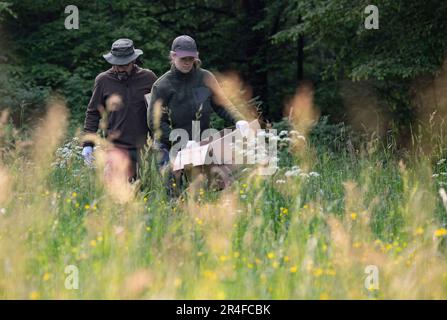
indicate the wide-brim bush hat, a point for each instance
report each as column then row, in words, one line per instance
column 122, row 52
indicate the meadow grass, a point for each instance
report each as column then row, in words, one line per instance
column 307, row 232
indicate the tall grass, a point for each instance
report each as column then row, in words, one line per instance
column 307, row 232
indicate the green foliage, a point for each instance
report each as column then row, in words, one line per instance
column 258, row 39
column 24, row 99
column 405, row 45
column 6, row 10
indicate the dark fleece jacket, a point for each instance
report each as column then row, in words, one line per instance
column 177, row 99
column 127, row 120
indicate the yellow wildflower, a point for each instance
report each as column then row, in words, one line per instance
column 441, row 232
column 220, row 295
column 210, row 275
column 419, row 231
column 353, row 216
column 293, row 269
column 177, row 282
column 330, row 272
column 34, row 295
column 324, row 296
column 317, row 272
column 356, row 244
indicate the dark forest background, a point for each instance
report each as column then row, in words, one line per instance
column 273, row 45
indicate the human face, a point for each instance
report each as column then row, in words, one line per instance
column 124, row 68
column 184, row 64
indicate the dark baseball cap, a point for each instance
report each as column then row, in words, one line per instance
column 185, row 46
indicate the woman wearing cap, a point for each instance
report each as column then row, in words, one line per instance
column 186, row 93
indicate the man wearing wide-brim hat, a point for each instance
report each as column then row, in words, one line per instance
column 119, row 93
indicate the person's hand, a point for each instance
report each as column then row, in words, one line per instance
column 243, row 126
column 87, row 153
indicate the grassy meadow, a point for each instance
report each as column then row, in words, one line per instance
column 307, row 232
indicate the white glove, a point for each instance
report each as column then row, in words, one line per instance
column 244, row 127
column 87, row 153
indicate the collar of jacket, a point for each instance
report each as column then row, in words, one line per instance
column 181, row 75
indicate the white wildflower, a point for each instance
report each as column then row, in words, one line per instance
column 443, row 195
column 291, row 173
